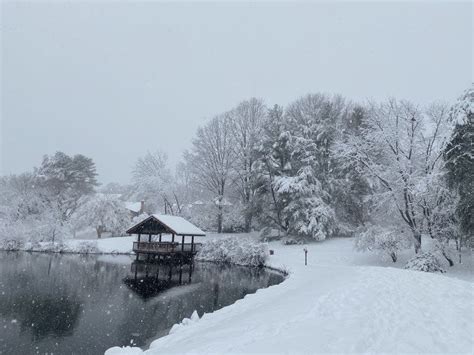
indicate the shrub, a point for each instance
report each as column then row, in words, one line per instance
column 234, row 250
column 387, row 241
column 426, row 262
column 293, row 240
column 11, row 244
column 59, row 247
column 87, row 248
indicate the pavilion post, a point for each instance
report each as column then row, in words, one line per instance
column 172, row 238
column 149, row 238
column 192, row 244
column 182, row 243
column 160, row 238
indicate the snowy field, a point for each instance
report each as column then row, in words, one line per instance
column 342, row 301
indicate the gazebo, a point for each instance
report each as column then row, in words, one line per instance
column 157, row 225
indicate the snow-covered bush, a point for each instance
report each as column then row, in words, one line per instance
column 386, row 241
column 233, row 219
column 87, row 248
column 424, row 262
column 290, row 240
column 11, row 244
column 234, row 250
column 56, row 248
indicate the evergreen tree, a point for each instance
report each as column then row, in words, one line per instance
column 459, row 156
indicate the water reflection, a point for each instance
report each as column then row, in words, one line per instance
column 149, row 280
column 86, row 304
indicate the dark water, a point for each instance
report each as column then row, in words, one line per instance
column 73, row 304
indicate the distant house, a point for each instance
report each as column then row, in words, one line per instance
column 135, row 208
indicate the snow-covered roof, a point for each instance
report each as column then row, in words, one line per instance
column 161, row 223
column 178, row 224
column 133, row 206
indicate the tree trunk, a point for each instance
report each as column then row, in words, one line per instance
column 219, row 220
column 99, row 232
column 393, row 255
column 450, row 261
column 248, row 222
column 417, row 236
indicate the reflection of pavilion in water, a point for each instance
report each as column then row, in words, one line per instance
column 150, row 279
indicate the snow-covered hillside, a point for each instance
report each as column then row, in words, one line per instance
column 338, row 303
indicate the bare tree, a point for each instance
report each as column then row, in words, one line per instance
column 152, row 179
column 247, row 129
column 210, row 160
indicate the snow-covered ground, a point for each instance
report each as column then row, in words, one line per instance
column 342, row 302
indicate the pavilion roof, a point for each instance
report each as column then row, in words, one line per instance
column 161, row 223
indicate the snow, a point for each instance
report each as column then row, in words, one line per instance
column 119, row 245
column 179, row 225
column 133, row 206
column 339, row 303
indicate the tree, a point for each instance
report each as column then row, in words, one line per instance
column 273, row 160
column 64, row 180
column 247, row 126
column 306, row 183
column 459, row 156
column 390, row 150
column 211, row 159
column 25, row 214
column 307, row 213
column 152, row 181
column 106, row 213
column 351, row 188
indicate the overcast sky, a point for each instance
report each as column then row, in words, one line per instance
column 113, row 80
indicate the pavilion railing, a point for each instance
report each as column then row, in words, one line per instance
column 165, row 247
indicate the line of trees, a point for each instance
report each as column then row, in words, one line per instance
column 39, row 205
column 322, row 166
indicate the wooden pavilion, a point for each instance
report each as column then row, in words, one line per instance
column 151, row 231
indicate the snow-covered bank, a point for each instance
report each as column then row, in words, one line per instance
column 121, row 245
column 338, row 303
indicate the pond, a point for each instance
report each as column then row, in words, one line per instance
column 64, row 304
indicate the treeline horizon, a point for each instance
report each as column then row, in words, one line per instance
column 319, row 167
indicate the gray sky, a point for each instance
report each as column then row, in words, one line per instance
column 113, row 80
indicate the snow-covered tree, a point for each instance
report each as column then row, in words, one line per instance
column 24, row 212
column 211, row 159
column 247, row 127
column 151, row 181
column 400, row 155
column 273, row 161
column 307, row 181
column 459, row 155
column 105, row 213
column 63, row 180
column 307, row 214
column 351, row 188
